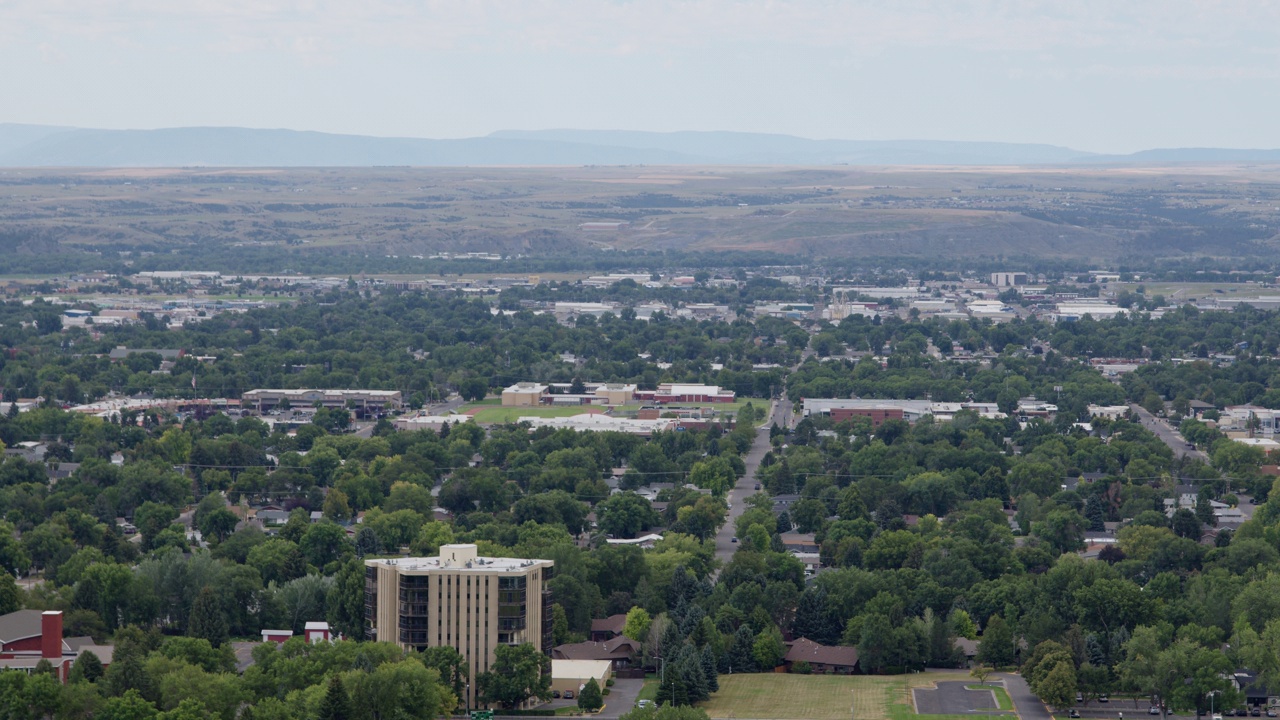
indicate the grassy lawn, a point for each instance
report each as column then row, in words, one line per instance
column 650, row 689
column 512, row 414
column 1002, row 697
column 768, row 696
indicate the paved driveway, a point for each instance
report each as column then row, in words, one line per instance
column 1025, row 702
column 620, row 700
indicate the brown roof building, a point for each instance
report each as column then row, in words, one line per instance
column 822, row 659
column 619, row 651
column 608, row 628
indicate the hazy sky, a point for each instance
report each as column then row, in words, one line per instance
column 1102, row 75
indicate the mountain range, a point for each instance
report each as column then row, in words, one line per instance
column 52, row 146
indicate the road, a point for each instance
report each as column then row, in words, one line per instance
column 747, row 483
column 1025, row 702
column 1165, row 432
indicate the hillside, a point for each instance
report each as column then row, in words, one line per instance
column 46, row 146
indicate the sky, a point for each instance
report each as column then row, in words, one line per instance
column 1098, row 75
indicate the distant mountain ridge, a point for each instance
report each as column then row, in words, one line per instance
column 52, row 146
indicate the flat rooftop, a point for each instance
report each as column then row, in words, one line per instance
column 459, row 558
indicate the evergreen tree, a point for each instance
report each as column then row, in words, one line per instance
column 814, row 619
column 87, row 667
column 784, row 523
column 1095, row 513
column 208, row 620
column 336, row 704
column 941, row 642
column 784, row 483
column 589, row 700
column 709, row 669
column 741, row 656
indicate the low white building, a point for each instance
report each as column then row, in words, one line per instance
column 603, row 423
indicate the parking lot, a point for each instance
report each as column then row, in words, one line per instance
column 953, row 698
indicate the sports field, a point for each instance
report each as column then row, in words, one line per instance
column 765, row 696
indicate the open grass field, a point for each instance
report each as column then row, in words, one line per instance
column 763, row 696
column 491, row 414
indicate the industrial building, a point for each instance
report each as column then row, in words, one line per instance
column 360, row 400
column 530, row 394
column 676, row 393
column 1009, row 279
column 881, row 410
column 590, row 422
column 462, row 600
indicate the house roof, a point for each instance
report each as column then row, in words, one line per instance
column 613, row 624
column 615, row 649
column 19, row 624
column 811, row 652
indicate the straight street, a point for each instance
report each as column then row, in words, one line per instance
column 1166, row 433
column 745, row 485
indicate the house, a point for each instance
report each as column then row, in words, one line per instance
column 620, row 652
column 28, row 637
column 645, row 542
column 822, row 659
column 968, row 648
column 1252, row 689
column 799, row 542
column 608, row 628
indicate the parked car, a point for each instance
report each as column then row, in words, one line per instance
column 1256, row 711
column 1153, row 710
column 644, row 703
column 1074, row 713
column 568, row 694
column 1271, row 712
column 555, row 694
column 757, row 486
column 1079, row 697
column 733, row 539
column 1103, row 698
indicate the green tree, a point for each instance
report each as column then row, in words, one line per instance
column 590, row 699
column 625, row 515
column 998, row 645
column 129, row 706
column 452, row 667
column 87, row 667
column 518, row 672
column 336, row 704
column 346, row 599
column 217, row 525
column 152, row 517
column 768, row 648
column 1058, row 688
column 637, row 624
column 208, row 619
column 404, row 690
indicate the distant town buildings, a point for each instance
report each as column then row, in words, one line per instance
column 1009, row 279
column 365, row 400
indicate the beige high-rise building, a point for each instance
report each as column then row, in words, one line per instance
column 471, row 603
